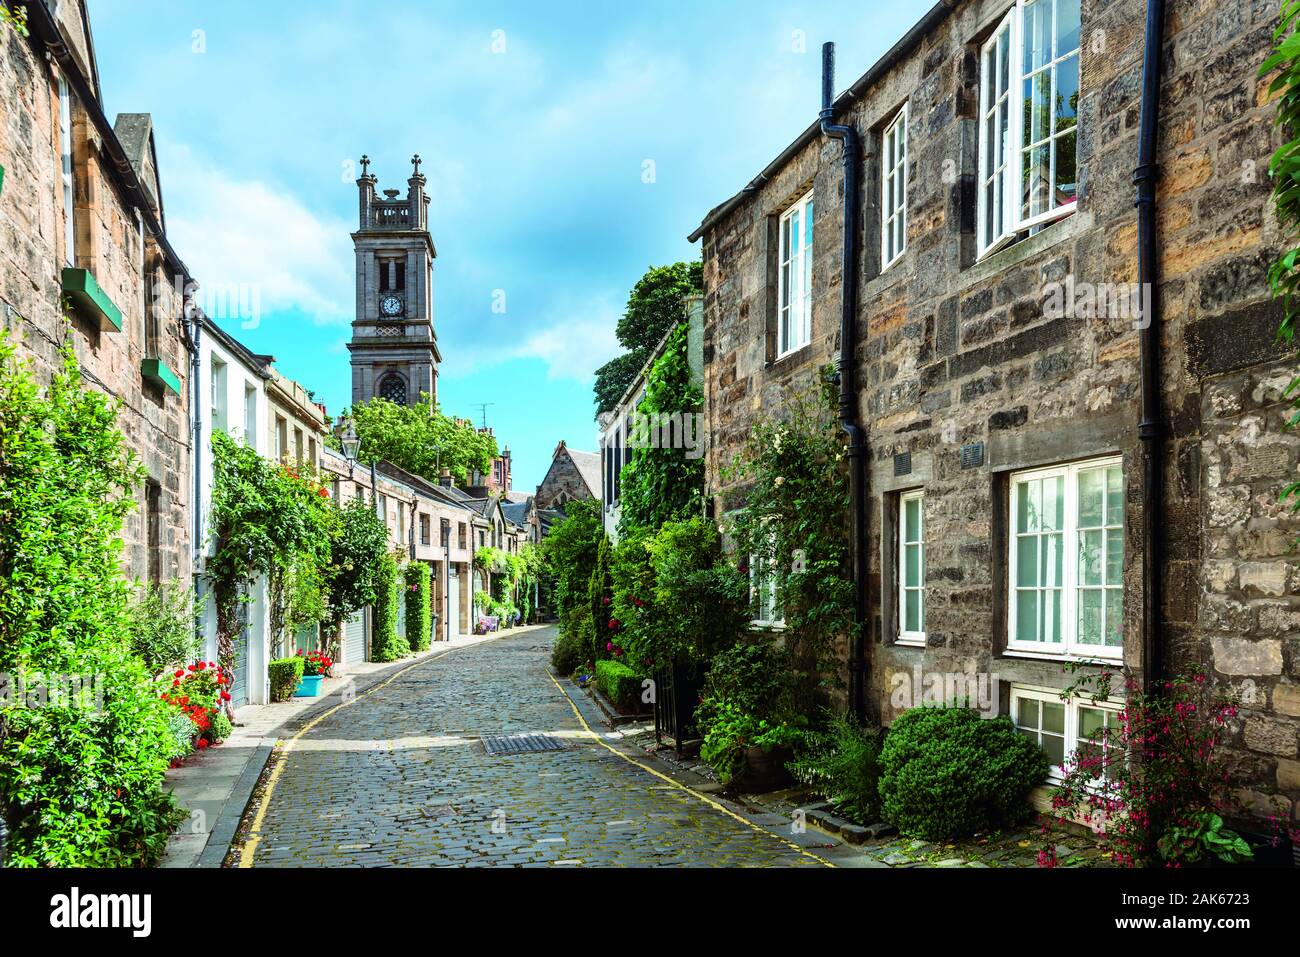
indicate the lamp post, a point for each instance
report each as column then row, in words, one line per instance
column 351, row 446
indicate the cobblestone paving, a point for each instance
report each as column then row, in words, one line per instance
column 399, row 778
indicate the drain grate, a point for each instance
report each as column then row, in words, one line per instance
column 520, row 743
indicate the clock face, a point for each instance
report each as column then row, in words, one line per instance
column 391, row 306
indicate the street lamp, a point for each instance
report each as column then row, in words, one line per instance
column 351, row 445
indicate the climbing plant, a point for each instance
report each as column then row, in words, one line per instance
column 1284, row 168
column 268, row 520
column 419, row 607
column 795, row 522
column 84, row 748
column 387, row 644
column 349, row 578
column 664, row 482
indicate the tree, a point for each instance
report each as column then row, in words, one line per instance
column 420, row 439
column 654, row 307
column 355, row 554
column 569, row 551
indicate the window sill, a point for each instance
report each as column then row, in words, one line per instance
column 793, row 357
column 1053, row 233
column 1117, row 659
column 911, row 641
column 80, row 286
column 768, row 625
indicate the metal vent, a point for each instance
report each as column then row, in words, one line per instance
column 972, row 455
column 903, row 463
column 520, row 743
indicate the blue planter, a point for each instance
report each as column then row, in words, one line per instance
column 310, row 686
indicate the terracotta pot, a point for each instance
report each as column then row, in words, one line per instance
column 765, row 770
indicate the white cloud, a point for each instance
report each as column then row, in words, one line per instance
column 245, row 238
column 572, row 349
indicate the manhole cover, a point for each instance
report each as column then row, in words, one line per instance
column 520, row 743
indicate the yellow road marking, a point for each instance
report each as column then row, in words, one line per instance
column 254, row 832
column 678, row 785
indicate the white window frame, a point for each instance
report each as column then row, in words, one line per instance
column 794, row 317
column 65, row 156
column 906, row 637
column 759, row 578
column 1006, row 174
column 1068, row 646
column 893, row 171
column 1073, row 706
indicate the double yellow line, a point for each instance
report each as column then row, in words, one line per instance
column 677, row 784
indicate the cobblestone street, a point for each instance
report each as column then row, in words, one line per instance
column 400, row 777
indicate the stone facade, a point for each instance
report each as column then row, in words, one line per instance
column 394, row 347
column 957, row 351
column 133, row 344
column 572, row 475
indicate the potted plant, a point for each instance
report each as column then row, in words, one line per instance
column 316, row 667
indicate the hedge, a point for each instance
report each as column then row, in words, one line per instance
column 419, row 607
column 285, row 674
column 620, row 684
column 387, row 645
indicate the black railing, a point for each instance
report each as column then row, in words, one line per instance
column 677, row 692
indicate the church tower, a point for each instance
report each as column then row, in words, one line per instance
column 394, row 348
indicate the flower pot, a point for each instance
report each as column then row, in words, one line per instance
column 765, row 770
column 310, row 686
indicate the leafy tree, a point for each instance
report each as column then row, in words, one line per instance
column 80, row 775
column 355, row 554
column 15, row 18
column 419, row 606
column 420, row 439
column 600, row 594
column 666, row 484
column 654, row 307
column 569, row 551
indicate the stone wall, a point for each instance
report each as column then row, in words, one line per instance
column 109, row 243
column 563, row 481
column 957, row 352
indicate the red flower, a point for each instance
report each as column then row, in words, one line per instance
column 225, row 696
column 202, row 743
column 324, row 493
column 179, row 673
column 613, row 623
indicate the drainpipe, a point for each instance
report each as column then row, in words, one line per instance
column 1152, row 428
column 857, row 447
column 193, row 338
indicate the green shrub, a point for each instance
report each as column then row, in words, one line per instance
column 603, row 629
column 419, row 607
column 620, row 684
column 182, row 731
column 387, row 644
column 80, row 778
column 163, row 632
column 285, row 675
column 221, row 727
column 842, row 764
column 947, row 772
column 566, row 653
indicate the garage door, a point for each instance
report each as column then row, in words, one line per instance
column 401, row 615
column 354, row 638
column 239, row 689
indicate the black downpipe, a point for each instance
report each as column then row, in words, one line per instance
column 1152, row 428
column 194, row 338
column 857, row 448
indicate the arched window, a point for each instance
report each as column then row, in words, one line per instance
column 393, row 388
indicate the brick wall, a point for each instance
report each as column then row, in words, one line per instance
column 956, row 351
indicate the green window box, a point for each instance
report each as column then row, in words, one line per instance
column 89, row 297
column 155, row 370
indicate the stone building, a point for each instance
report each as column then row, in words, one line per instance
column 82, row 223
column 572, row 475
column 997, row 357
column 394, row 347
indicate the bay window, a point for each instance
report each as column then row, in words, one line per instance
column 893, row 190
column 1029, row 98
column 911, row 568
column 794, row 277
column 1066, row 560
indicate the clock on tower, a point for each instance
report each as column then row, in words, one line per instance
column 394, row 347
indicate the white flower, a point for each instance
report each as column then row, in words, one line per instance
column 780, row 480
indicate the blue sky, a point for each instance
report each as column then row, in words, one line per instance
column 535, row 122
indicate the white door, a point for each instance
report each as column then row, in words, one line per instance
column 354, row 638
column 453, row 595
